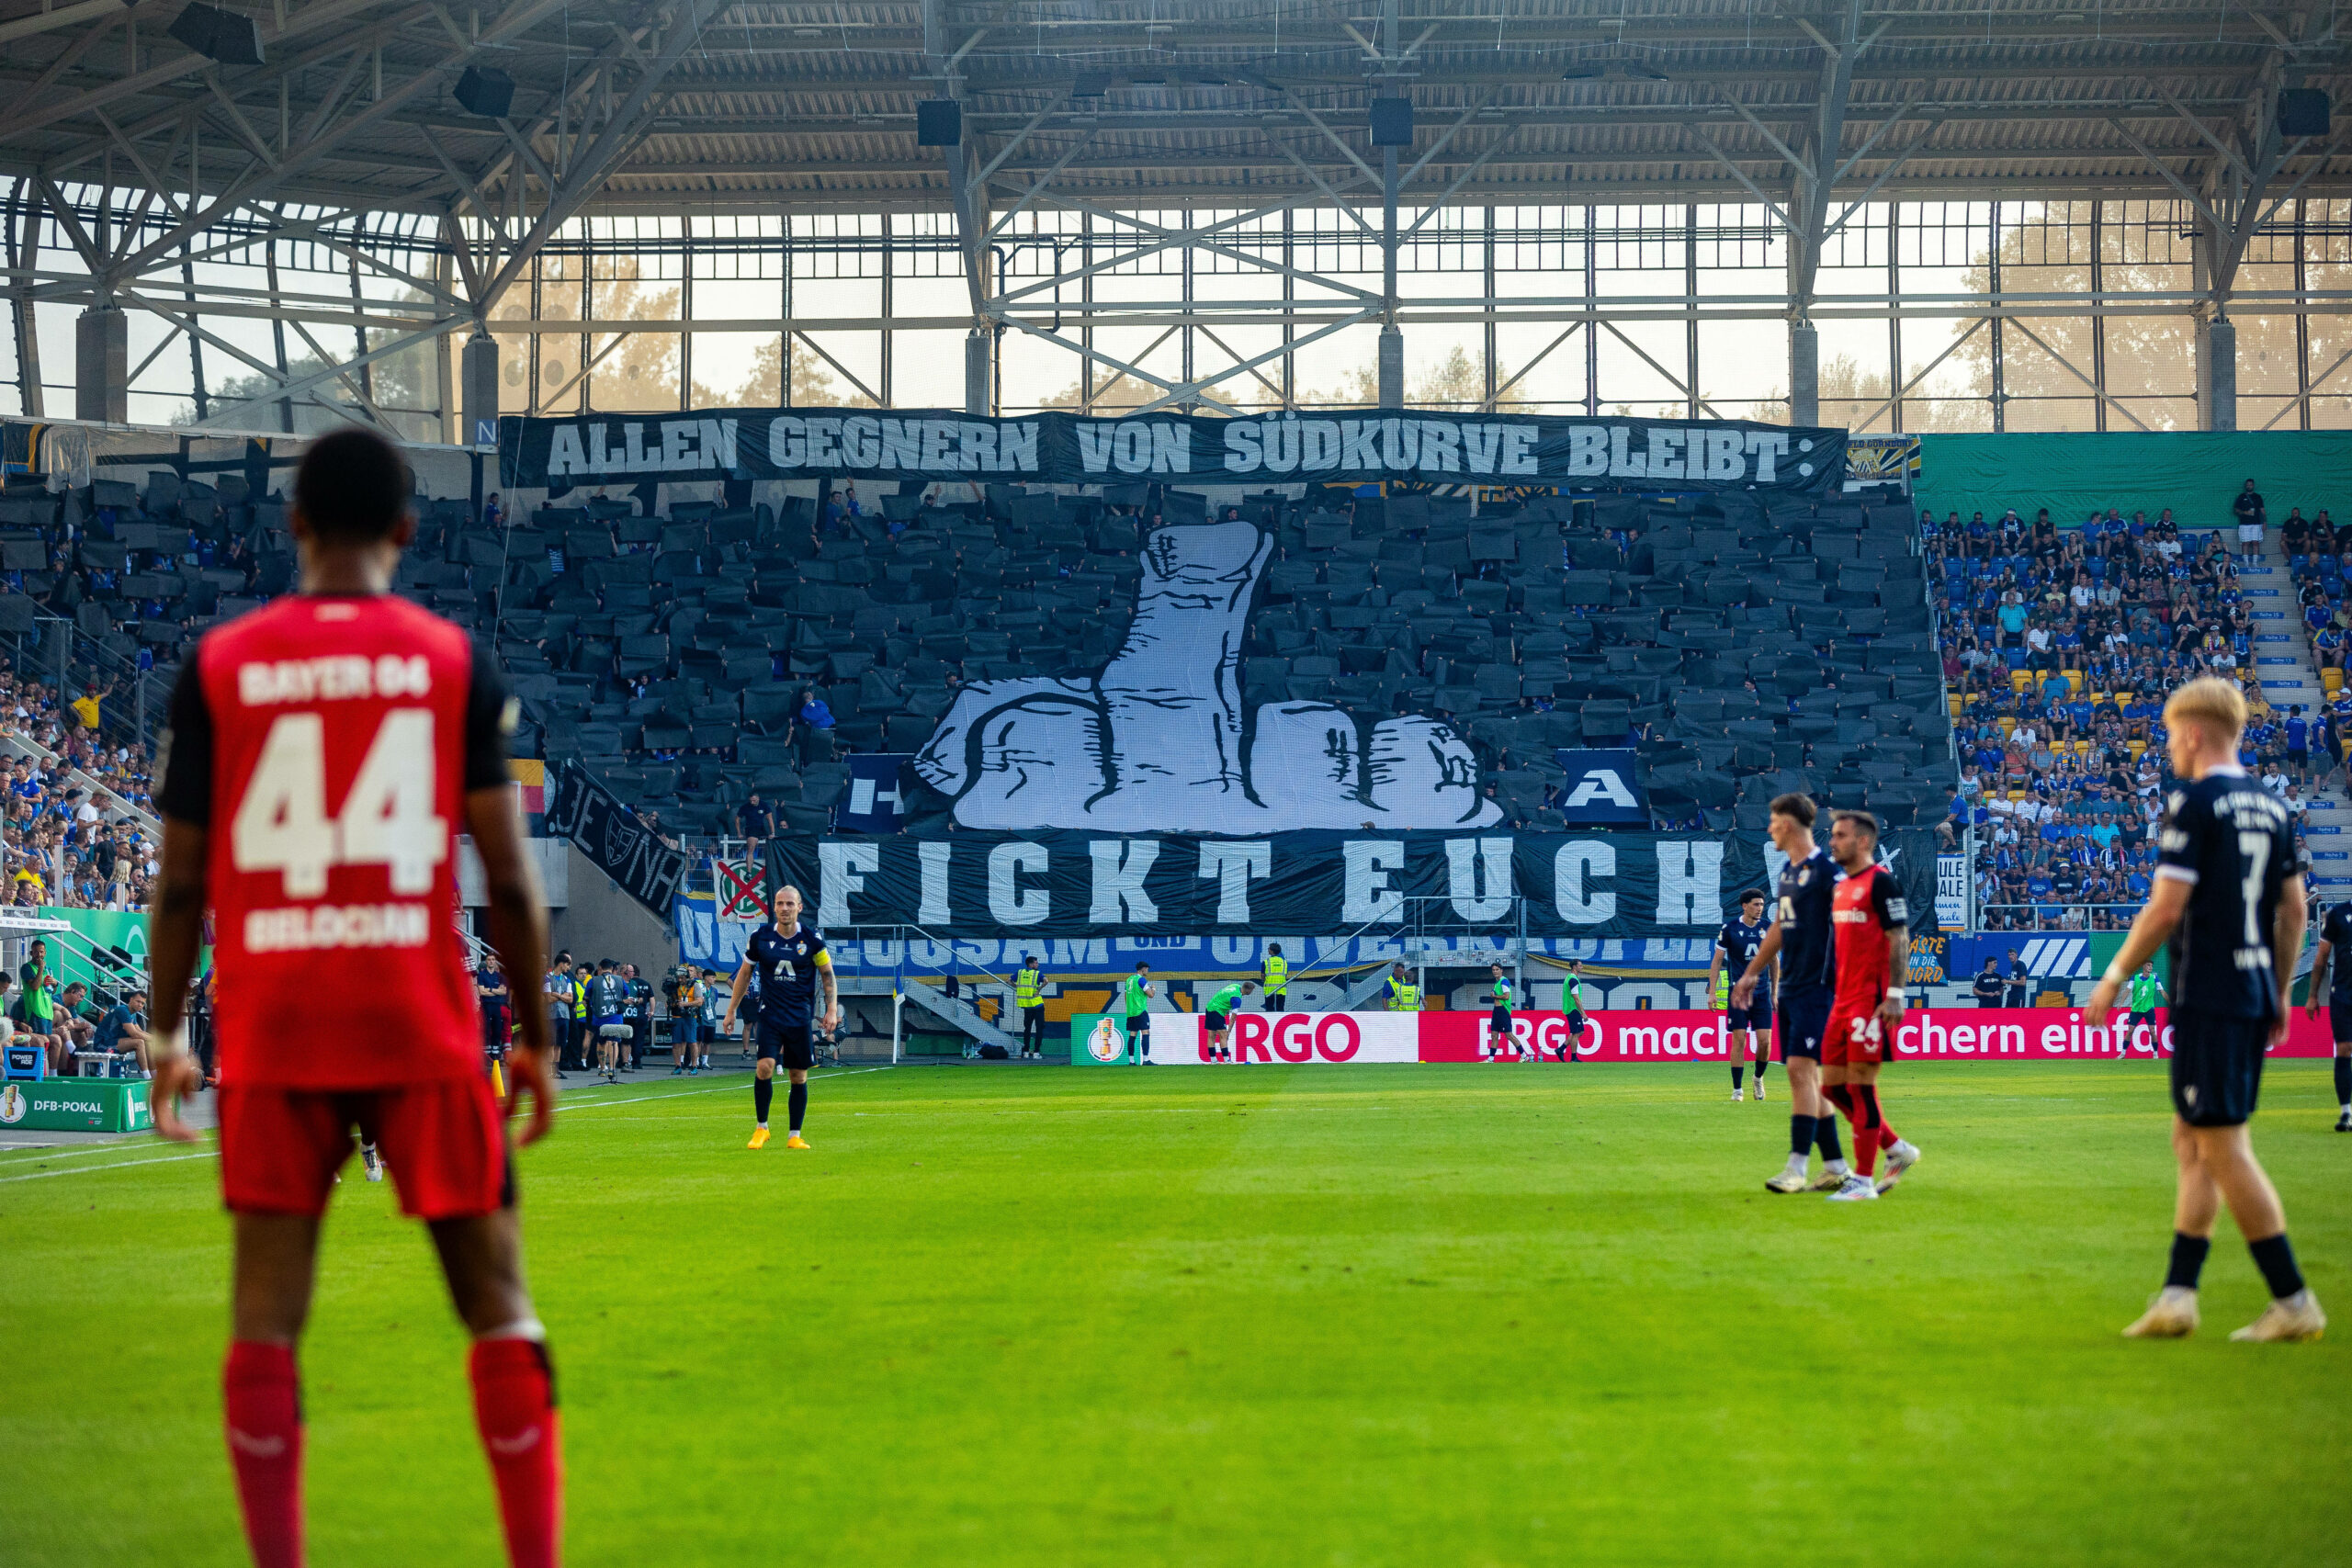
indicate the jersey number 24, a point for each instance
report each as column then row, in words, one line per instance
column 387, row 819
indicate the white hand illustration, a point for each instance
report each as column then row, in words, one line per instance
column 1159, row 742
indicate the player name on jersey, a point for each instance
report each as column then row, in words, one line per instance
column 316, row 928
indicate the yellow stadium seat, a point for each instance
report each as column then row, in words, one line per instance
column 2008, row 725
column 1958, row 704
column 2331, row 681
column 2020, row 678
column 2137, row 747
column 2074, row 679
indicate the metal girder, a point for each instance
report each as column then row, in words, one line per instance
column 303, row 384
column 1198, row 388
column 583, row 173
column 1816, row 172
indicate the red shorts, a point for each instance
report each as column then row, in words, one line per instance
column 445, row 1141
column 1854, row 1035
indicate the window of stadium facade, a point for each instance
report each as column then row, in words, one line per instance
column 1931, row 315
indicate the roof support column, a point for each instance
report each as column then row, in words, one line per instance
column 1392, row 340
column 102, row 364
column 1817, row 174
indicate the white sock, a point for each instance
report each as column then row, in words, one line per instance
column 529, row 1328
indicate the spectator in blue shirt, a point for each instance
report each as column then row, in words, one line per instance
column 123, row 1029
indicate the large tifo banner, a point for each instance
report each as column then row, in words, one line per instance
column 2019, row 1034
column 1064, row 448
column 1075, row 883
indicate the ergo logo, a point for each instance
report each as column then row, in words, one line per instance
column 1290, row 1037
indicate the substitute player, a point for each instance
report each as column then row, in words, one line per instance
column 1498, row 1033
column 2229, row 898
column 1799, row 943
column 1573, row 1004
column 323, row 753
column 2147, row 991
column 1136, row 994
column 1735, row 944
column 1217, row 1017
column 792, row 964
column 1872, row 925
column 2334, row 981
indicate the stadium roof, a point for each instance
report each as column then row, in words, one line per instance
column 702, row 105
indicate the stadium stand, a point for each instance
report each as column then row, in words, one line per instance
column 699, row 657
column 2059, row 645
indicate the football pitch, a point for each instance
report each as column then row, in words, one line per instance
column 1348, row 1315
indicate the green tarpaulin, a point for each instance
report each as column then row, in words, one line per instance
column 2193, row 473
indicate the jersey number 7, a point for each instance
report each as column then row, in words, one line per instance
column 282, row 825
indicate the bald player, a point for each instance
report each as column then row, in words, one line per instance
column 793, row 964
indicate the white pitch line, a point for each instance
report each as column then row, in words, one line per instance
column 595, row 1105
column 123, row 1165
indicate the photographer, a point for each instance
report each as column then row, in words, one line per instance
column 689, row 1054
column 637, row 1011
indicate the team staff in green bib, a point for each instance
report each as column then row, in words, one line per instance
column 1217, row 1017
column 1135, row 994
column 1403, row 994
column 1029, row 996
column 1274, row 976
column 1575, row 998
column 1500, row 1038
column 2146, row 992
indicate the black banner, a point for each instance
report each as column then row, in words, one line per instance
column 609, row 833
column 1316, row 883
column 1172, row 448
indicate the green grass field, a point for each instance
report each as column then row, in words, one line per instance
column 1425, row 1315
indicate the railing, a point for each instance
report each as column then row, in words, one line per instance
column 2049, row 916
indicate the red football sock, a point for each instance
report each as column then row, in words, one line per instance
column 514, row 1409
column 1868, row 1126
column 1886, row 1138
column 262, row 1415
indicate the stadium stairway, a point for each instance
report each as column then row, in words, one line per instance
column 2289, row 674
column 955, row 1010
column 13, row 746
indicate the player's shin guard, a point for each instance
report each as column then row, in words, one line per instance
column 515, row 1410
column 262, row 1409
column 796, row 1101
column 763, row 1096
column 1868, row 1124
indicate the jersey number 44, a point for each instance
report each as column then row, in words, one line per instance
column 387, row 817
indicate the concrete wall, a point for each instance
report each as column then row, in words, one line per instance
column 599, row 920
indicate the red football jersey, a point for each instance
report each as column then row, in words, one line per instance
column 326, row 744
column 1865, row 906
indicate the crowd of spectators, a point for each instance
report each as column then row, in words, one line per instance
column 2059, row 646
column 72, row 829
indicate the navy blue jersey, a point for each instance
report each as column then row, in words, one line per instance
column 1739, row 942
column 788, row 967
column 2235, row 845
column 2335, row 929
column 1808, row 960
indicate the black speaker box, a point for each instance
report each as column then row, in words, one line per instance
column 485, row 90
column 224, row 35
column 2303, row 111
column 1392, row 122
column 939, row 122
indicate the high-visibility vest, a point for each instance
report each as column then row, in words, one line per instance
column 578, row 998
column 1275, row 972
column 1028, row 988
column 1403, row 997
column 1723, row 988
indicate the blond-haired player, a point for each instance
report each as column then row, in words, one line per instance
column 2229, row 898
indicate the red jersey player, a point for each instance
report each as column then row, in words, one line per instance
column 323, row 752
column 1871, row 924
